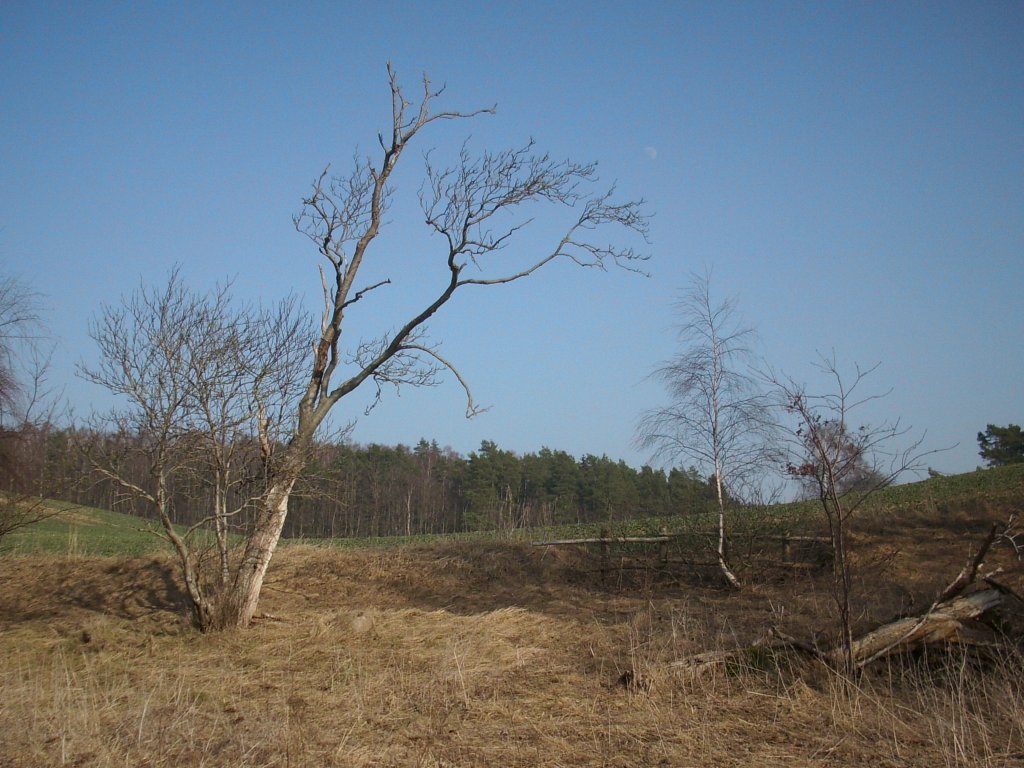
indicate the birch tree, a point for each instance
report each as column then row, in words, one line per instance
column 200, row 388
column 717, row 417
column 474, row 211
column 477, row 207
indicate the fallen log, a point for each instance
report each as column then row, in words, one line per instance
column 956, row 617
column 946, row 623
column 606, row 540
column 943, row 622
column 952, row 623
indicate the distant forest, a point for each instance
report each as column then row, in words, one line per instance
column 352, row 490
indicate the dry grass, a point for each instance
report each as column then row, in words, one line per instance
column 476, row 655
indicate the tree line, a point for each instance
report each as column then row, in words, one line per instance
column 354, row 490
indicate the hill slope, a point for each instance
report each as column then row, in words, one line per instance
column 498, row 653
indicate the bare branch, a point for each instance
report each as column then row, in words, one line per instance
column 842, row 464
column 472, row 409
column 210, row 394
column 364, row 291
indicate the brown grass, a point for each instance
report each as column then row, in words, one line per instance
column 478, row 655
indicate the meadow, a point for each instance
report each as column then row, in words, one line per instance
column 483, row 649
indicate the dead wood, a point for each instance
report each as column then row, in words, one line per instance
column 774, row 640
column 970, row 571
column 955, row 617
column 944, row 623
column 604, row 540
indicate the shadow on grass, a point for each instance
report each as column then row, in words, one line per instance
column 34, row 588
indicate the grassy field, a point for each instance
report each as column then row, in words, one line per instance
column 77, row 530
column 90, row 531
column 462, row 652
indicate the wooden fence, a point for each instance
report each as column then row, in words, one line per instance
column 783, row 550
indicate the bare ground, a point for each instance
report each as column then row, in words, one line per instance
column 480, row 655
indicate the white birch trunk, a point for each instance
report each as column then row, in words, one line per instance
column 240, row 604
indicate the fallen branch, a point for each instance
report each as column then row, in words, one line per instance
column 941, row 622
column 953, row 618
column 944, row 623
column 774, row 640
column 669, row 537
column 611, row 540
column 266, row 617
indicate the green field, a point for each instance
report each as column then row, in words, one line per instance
column 77, row 530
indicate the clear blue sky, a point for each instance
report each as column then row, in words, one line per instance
column 853, row 173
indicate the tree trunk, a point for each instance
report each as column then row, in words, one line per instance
column 944, row 623
column 220, row 519
column 239, row 603
column 201, row 605
column 723, row 563
column 838, row 522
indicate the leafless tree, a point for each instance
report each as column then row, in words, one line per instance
column 844, row 463
column 201, row 388
column 474, row 209
column 19, row 329
column 28, row 407
column 244, row 372
column 717, row 416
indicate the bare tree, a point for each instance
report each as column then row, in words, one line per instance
column 201, row 386
column 475, row 209
column 243, row 373
column 28, row 406
column 844, row 463
column 144, row 360
column 19, row 330
column 717, row 417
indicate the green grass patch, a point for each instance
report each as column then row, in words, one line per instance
column 78, row 530
column 741, row 522
column 997, row 487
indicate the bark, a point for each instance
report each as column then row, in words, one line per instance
column 221, row 526
column 201, row 603
column 716, row 441
column 239, row 604
column 944, row 624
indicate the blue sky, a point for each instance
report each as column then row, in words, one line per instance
column 852, row 173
